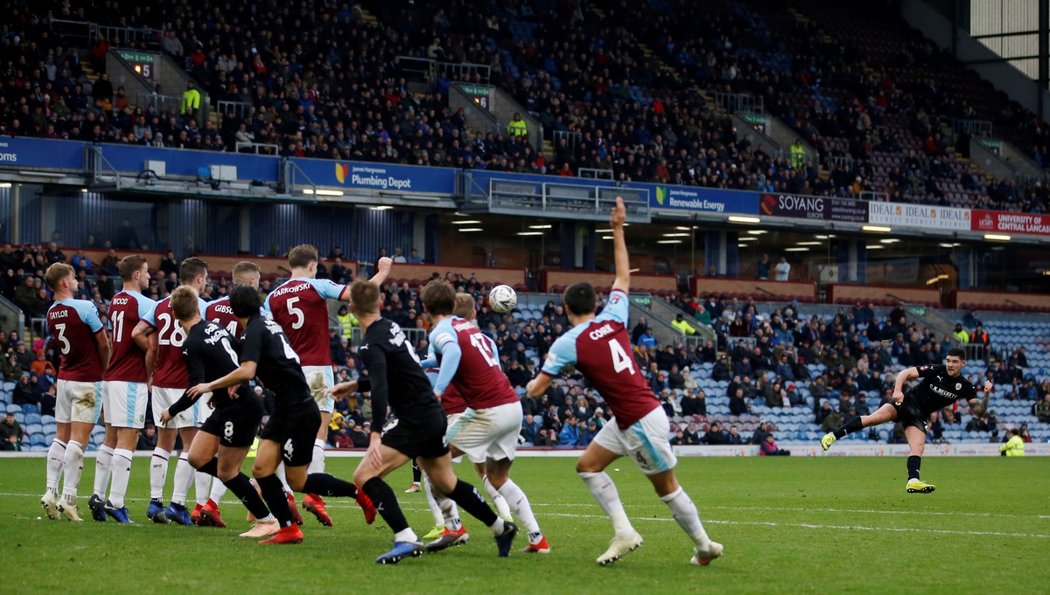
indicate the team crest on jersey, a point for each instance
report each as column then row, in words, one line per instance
column 958, row 385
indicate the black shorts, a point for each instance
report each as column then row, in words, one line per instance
column 909, row 414
column 418, row 437
column 237, row 423
column 295, row 431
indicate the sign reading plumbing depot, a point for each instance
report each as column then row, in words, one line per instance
column 896, row 214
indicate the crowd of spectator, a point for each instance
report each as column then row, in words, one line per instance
column 766, row 358
column 323, row 82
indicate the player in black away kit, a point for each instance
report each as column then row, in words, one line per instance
column 941, row 385
column 229, row 431
column 290, row 432
column 396, row 378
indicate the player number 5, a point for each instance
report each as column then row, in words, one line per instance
column 297, row 312
column 621, row 360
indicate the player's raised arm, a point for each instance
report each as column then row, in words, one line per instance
column 383, row 271
column 538, row 385
column 979, row 408
column 905, row 376
column 623, row 265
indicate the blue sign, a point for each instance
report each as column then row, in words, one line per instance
column 703, row 200
column 185, row 162
column 378, row 176
column 41, row 153
column 661, row 196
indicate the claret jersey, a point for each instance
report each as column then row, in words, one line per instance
column 601, row 350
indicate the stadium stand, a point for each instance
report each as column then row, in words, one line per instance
column 638, row 96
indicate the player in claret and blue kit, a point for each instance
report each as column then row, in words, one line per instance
column 300, row 307
column 600, row 348
column 85, row 354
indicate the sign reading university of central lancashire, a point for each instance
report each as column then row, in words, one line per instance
column 1005, row 222
column 819, row 208
column 922, row 216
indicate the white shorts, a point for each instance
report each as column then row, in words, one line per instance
column 78, row 402
column 162, row 398
column 125, row 403
column 486, row 433
column 452, row 419
column 320, row 379
column 645, row 441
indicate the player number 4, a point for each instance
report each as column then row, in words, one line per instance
column 621, row 360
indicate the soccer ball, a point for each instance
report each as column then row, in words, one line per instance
column 502, row 299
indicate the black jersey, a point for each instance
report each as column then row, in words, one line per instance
column 937, row 390
column 277, row 365
column 209, row 355
column 395, row 376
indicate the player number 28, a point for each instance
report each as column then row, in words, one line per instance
column 170, row 333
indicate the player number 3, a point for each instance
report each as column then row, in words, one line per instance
column 61, row 328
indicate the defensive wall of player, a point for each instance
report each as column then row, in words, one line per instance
column 801, row 449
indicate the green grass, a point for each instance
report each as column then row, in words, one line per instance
column 788, row 525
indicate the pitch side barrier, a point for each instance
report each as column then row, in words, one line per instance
column 30, row 159
column 798, row 449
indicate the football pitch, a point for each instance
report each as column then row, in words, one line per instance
column 788, row 525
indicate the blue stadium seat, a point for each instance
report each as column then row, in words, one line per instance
column 32, row 417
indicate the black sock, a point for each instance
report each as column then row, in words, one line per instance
column 851, row 426
column 242, row 487
column 211, row 467
column 386, row 503
column 470, row 500
column 326, row 485
column 273, row 494
column 417, row 473
column 914, row 461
